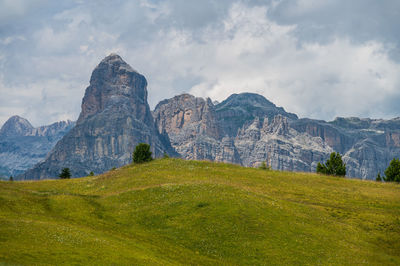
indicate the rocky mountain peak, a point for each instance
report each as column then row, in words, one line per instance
column 113, row 83
column 234, row 112
column 191, row 124
column 247, row 98
column 186, row 115
column 16, row 126
column 115, row 117
column 116, row 60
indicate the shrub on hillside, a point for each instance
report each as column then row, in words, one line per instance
column 65, row 173
column 142, row 153
column 333, row 166
column 264, row 166
column 392, row 173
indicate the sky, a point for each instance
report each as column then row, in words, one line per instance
column 318, row 59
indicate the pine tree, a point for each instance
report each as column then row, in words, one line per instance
column 392, row 173
column 333, row 166
column 142, row 153
column 11, row 178
column 65, row 173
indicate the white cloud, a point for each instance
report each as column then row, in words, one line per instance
column 241, row 48
column 249, row 52
column 14, row 9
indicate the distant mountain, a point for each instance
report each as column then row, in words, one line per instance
column 244, row 129
column 16, row 126
column 22, row 145
column 248, row 129
column 115, row 117
column 239, row 109
column 192, row 126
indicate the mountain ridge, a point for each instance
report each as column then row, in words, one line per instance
column 22, row 149
column 244, row 129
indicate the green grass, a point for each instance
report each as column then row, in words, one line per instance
column 172, row 211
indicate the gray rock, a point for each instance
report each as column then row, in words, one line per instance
column 22, row 146
column 239, row 109
column 192, row 128
column 257, row 131
column 16, row 126
column 244, row 129
column 115, row 117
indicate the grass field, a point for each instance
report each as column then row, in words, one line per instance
column 171, row 211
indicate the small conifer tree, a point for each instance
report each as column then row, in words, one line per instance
column 392, row 173
column 142, row 153
column 11, row 178
column 379, row 177
column 91, row 173
column 264, row 166
column 65, row 173
column 333, row 166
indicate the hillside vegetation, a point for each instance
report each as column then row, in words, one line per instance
column 171, row 211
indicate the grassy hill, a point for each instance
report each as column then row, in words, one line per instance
column 172, row 211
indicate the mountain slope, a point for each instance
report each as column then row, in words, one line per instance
column 239, row 109
column 171, row 212
column 115, row 117
column 248, row 129
column 22, row 146
column 191, row 125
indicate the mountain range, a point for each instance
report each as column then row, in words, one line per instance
column 244, row 129
column 22, row 146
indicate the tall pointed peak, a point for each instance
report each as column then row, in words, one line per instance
column 116, row 60
column 113, row 84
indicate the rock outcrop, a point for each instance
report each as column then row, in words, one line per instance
column 115, row 117
column 280, row 146
column 239, row 109
column 248, row 129
column 22, row 146
column 192, row 127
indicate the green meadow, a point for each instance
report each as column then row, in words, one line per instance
column 176, row 212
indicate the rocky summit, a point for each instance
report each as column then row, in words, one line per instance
column 115, row 117
column 244, row 129
column 248, row 129
column 22, row 146
column 191, row 125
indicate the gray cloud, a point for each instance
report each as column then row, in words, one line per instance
column 316, row 58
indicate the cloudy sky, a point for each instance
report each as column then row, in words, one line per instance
column 319, row 59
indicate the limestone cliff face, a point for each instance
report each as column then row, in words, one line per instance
column 280, row 146
column 192, row 128
column 115, row 86
column 248, row 129
column 239, row 109
column 115, row 117
column 336, row 138
column 368, row 145
column 22, row 146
